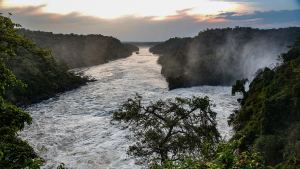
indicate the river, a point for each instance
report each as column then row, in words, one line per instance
column 74, row 127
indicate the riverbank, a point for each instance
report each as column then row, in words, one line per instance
column 221, row 56
column 80, row 50
column 74, row 128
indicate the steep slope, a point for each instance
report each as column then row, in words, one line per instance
column 269, row 117
column 221, row 56
column 45, row 78
column 80, row 50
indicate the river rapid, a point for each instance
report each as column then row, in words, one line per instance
column 74, row 127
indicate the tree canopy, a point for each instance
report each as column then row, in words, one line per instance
column 12, row 119
column 269, row 116
column 221, row 56
column 168, row 129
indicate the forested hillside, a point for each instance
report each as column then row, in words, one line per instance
column 80, row 50
column 269, row 117
column 169, row 46
column 267, row 125
column 221, row 56
column 44, row 78
column 29, row 73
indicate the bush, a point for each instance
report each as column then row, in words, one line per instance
column 222, row 156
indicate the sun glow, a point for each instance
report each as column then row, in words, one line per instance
column 158, row 9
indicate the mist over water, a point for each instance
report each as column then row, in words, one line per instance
column 255, row 54
column 233, row 55
column 74, row 128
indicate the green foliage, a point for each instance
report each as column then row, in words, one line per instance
column 11, row 42
column 269, row 115
column 239, row 87
column 1, row 155
column 290, row 55
column 224, row 155
column 33, row 164
column 219, row 56
column 61, row 166
column 81, row 50
column 290, row 163
column 44, row 78
column 13, row 119
column 168, row 129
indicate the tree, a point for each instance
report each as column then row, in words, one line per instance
column 239, row 87
column 224, row 156
column 168, row 129
column 12, row 119
column 293, row 53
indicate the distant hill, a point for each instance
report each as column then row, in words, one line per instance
column 146, row 44
column 221, row 56
column 80, row 50
column 169, row 46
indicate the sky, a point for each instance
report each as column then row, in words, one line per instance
column 144, row 20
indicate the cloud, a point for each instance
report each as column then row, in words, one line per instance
column 185, row 11
column 227, row 14
column 138, row 28
column 267, row 17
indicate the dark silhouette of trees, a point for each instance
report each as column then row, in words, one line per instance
column 81, row 50
column 168, row 129
column 239, row 87
column 220, row 56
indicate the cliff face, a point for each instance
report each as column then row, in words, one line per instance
column 269, row 117
column 80, row 50
column 221, row 56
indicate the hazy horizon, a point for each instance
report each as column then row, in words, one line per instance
column 150, row 21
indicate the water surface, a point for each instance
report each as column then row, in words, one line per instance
column 74, row 128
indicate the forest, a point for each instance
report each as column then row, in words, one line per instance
column 269, row 118
column 45, row 78
column 80, row 50
column 266, row 126
column 221, row 56
column 31, row 71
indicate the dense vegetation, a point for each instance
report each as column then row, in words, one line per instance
column 269, row 117
column 221, row 56
column 80, row 50
column 224, row 155
column 267, row 122
column 44, row 78
column 169, row 46
column 172, row 131
column 14, row 151
column 40, row 76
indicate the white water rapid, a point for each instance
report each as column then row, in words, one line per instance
column 74, row 128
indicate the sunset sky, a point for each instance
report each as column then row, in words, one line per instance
column 156, row 20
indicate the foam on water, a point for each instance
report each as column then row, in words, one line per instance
column 74, row 128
